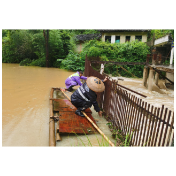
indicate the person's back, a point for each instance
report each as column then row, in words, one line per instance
column 74, row 80
column 85, row 96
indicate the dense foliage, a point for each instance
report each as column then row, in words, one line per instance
column 160, row 33
column 27, row 47
column 84, row 31
column 126, row 52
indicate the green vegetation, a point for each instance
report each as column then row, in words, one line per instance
column 102, row 143
column 126, row 52
column 73, row 61
column 27, row 47
column 160, row 33
column 134, row 51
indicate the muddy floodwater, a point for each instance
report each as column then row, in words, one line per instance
column 25, row 106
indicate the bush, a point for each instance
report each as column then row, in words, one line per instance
column 39, row 62
column 134, row 51
column 73, row 62
column 25, row 62
column 18, row 45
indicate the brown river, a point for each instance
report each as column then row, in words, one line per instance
column 25, row 106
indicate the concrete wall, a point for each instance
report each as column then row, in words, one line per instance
column 123, row 36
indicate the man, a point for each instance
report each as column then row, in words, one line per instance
column 85, row 96
column 74, row 80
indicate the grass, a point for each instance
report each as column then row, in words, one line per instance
column 102, row 143
column 125, row 140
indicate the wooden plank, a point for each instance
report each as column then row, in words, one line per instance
column 65, row 105
column 170, row 131
column 163, row 68
column 69, row 122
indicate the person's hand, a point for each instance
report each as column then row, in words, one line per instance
column 100, row 113
column 105, row 79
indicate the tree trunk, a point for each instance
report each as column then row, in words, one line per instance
column 46, row 35
column 47, row 50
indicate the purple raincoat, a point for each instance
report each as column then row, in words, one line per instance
column 74, row 80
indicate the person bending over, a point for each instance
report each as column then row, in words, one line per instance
column 85, row 96
column 74, row 80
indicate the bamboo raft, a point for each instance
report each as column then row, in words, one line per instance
column 62, row 112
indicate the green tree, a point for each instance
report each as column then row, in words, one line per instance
column 160, row 33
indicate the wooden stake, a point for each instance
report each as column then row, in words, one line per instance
column 58, row 138
column 94, row 125
column 57, row 128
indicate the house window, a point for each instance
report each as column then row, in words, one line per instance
column 108, row 38
column 117, row 39
column 127, row 39
column 138, row 37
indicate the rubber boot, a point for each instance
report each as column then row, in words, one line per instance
column 70, row 89
column 78, row 112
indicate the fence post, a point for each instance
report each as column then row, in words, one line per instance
column 156, row 78
column 145, row 76
column 151, row 79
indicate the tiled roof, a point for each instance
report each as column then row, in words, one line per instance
column 84, row 37
column 123, row 30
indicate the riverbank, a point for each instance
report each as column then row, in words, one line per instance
column 25, row 105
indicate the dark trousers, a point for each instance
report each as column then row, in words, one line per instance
column 70, row 88
column 82, row 105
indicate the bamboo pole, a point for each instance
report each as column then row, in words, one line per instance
column 93, row 124
column 52, row 141
column 128, row 71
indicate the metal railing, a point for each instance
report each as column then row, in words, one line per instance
column 148, row 125
column 157, row 59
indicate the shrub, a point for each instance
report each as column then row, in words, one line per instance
column 73, row 62
column 25, row 62
column 134, row 51
column 39, row 62
column 18, row 45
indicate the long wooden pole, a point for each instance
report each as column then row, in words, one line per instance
column 94, row 124
column 52, row 140
column 162, row 75
column 128, row 72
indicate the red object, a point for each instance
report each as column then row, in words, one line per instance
column 65, row 105
column 69, row 122
column 62, row 89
